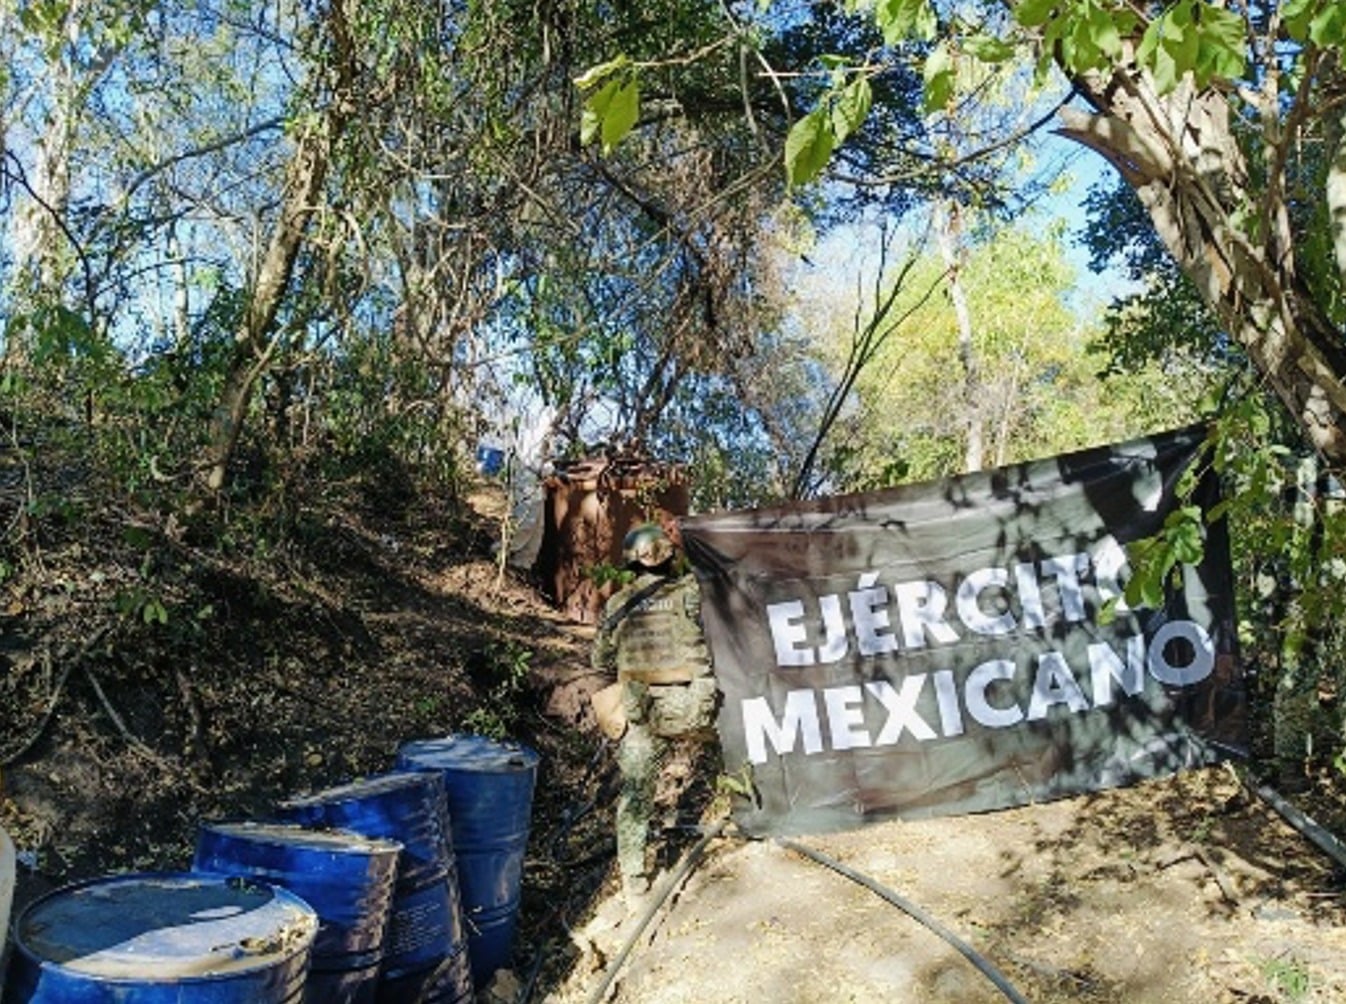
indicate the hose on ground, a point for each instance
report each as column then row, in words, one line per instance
column 983, row 964
column 1300, row 821
column 665, row 889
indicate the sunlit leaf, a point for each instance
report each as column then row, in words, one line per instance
column 1103, row 30
column 850, row 107
column 938, row 76
column 903, row 19
column 610, row 112
column 988, row 49
column 808, row 147
column 622, row 113
column 596, row 74
column 1328, row 27
column 1032, row 13
column 1296, row 15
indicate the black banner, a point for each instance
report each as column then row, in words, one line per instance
column 963, row 645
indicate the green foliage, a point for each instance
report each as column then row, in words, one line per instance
column 142, row 604
column 507, row 666
column 1288, row 977
column 1321, row 22
column 900, row 20
column 1039, row 393
column 605, row 573
column 612, row 105
column 1156, row 562
column 840, row 112
column 1194, row 37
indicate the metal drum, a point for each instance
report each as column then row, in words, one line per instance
column 448, row 983
column 163, row 939
column 489, row 787
column 347, row 878
column 425, row 927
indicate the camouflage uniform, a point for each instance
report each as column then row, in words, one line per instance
column 651, row 635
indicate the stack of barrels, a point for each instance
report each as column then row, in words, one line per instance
column 401, row 888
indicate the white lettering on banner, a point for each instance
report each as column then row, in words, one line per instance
column 901, row 708
column 789, row 633
column 846, row 717
column 1203, row 658
column 923, row 614
column 969, row 602
column 979, row 705
column 985, row 697
column 800, row 720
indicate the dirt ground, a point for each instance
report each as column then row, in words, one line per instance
column 116, row 742
column 1181, row 890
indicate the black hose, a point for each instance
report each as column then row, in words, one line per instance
column 1321, row 838
column 656, row 901
column 883, row 892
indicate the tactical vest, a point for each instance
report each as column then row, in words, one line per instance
column 658, row 639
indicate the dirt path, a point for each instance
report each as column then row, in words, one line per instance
column 1181, row 890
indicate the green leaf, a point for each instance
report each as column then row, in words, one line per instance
column 1032, row 13
column 594, row 74
column 987, row 48
column 1169, row 51
column 1103, row 29
column 1084, row 53
column 903, row 19
column 1296, row 15
column 926, row 26
column 1328, row 27
column 1222, row 46
column 1145, row 589
column 595, row 109
column 1149, row 42
column 938, row 76
column 850, row 107
column 808, row 147
column 137, row 537
column 622, row 113
column 610, row 112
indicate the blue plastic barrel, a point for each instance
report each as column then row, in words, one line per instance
column 490, row 459
column 347, row 878
column 425, row 926
column 489, row 786
column 162, row 939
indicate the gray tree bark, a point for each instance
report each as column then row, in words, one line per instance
column 1178, row 152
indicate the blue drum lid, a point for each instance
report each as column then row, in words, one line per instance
column 347, row 878
column 391, row 786
column 407, row 807
column 305, row 838
column 488, row 786
column 469, row 753
column 169, row 927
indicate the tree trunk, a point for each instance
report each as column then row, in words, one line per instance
column 1178, row 152
column 257, row 341
column 950, row 231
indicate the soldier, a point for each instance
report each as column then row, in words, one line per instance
column 651, row 635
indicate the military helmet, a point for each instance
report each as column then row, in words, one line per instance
column 647, row 545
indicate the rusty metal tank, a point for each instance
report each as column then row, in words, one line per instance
column 588, row 508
